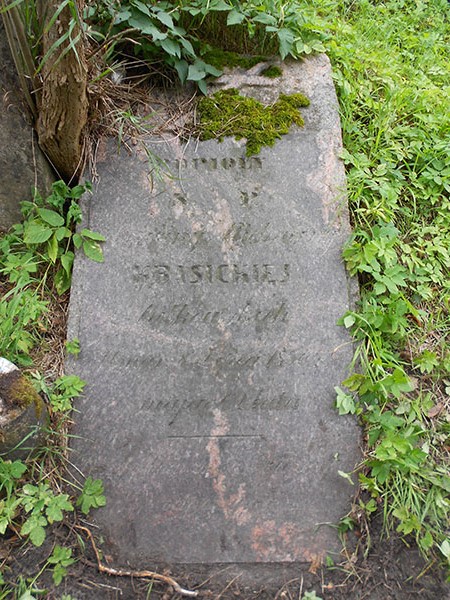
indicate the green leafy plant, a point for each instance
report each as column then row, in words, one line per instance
column 92, row 495
column 177, row 33
column 29, row 252
column 38, row 502
column 60, row 559
column 49, row 230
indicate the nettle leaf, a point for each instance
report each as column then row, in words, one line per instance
column 51, row 217
column 35, row 233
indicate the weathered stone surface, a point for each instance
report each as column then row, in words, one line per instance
column 22, row 164
column 210, row 345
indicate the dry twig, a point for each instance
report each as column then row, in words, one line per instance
column 139, row 574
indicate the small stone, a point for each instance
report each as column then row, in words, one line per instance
column 22, row 412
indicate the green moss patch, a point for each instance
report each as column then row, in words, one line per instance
column 272, row 72
column 227, row 113
column 223, row 58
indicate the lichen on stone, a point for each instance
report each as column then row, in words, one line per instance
column 227, row 113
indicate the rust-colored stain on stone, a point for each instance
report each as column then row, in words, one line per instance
column 231, row 504
column 281, row 542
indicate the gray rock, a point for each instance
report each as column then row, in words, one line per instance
column 23, row 414
column 210, row 346
column 23, row 167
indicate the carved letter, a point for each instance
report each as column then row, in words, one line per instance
column 219, row 273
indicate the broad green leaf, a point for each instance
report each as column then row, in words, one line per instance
column 67, row 261
column 349, row 320
column 51, row 217
column 35, row 233
column 61, row 233
column 188, row 47
column 171, row 47
column 345, row 403
column 123, row 15
column 59, row 572
column 52, row 248
column 286, row 40
column 181, row 67
column 142, row 7
column 445, row 548
column 34, row 528
column 165, row 18
column 37, row 535
column 219, row 5
column 146, row 26
column 235, row 18
column 77, row 240
column 17, row 469
column 92, row 250
column 62, row 281
column 266, row 19
column 93, row 235
column 197, row 71
column 202, row 86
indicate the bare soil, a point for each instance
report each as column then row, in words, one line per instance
column 392, row 569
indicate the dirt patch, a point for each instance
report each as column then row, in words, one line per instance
column 392, row 569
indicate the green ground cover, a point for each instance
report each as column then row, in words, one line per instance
column 391, row 68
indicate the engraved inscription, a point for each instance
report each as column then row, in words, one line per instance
column 186, row 314
column 239, row 233
column 224, row 273
column 214, row 359
column 213, row 164
column 252, row 400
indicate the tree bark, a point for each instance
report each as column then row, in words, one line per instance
column 63, row 102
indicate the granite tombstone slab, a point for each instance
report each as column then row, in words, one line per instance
column 210, row 346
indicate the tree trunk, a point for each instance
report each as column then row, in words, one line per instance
column 63, row 102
